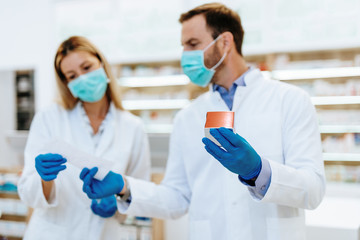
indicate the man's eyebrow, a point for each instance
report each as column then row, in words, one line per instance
column 190, row 40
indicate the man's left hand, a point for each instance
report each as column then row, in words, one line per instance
column 237, row 154
column 112, row 184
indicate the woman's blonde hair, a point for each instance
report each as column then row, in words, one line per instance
column 77, row 43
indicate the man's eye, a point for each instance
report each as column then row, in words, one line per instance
column 87, row 67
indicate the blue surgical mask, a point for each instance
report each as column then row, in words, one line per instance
column 89, row 87
column 193, row 65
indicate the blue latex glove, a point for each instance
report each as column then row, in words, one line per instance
column 112, row 184
column 239, row 157
column 49, row 165
column 106, row 208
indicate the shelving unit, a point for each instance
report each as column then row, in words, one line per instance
column 25, row 106
column 341, row 131
column 14, row 214
column 341, row 157
column 337, row 70
column 155, row 89
column 338, row 112
column 160, row 104
column 313, row 74
column 154, row 81
column 336, row 100
column 333, row 129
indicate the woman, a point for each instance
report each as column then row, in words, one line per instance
column 89, row 117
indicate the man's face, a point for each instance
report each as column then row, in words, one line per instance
column 196, row 36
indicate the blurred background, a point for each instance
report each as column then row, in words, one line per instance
column 314, row 44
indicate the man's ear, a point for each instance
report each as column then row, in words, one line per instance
column 228, row 41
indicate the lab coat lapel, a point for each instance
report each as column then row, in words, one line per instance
column 217, row 103
column 108, row 135
column 82, row 133
column 251, row 79
column 238, row 97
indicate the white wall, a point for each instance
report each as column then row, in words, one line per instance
column 27, row 30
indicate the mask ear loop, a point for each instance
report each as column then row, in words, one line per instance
column 207, row 47
column 221, row 60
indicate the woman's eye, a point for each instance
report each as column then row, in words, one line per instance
column 87, row 67
column 71, row 77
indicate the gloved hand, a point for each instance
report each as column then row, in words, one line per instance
column 239, row 157
column 49, row 165
column 112, row 184
column 106, row 208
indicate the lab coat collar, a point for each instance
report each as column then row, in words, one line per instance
column 252, row 79
column 109, row 129
column 111, row 111
column 252, row 76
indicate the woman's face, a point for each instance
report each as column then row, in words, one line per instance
column 77, row 63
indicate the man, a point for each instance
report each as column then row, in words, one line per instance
column 268, row 170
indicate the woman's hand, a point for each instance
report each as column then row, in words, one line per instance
column 106, row 208
column 49, row 165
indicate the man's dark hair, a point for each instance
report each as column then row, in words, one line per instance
column 219, row 19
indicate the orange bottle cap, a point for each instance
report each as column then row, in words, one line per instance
column 220, row 119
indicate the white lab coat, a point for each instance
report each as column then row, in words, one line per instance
column 68, row 215
column 279, row 121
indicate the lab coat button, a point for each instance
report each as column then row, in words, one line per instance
column 262, row 187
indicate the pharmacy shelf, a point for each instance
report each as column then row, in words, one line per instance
column 17, row 139
column 9, row 195
column 154, row 81
column 248, row 51
column 158, row 128
column 345, row 190
column 323, row 73
column 325, row 129
column 282, row 75
column 341, row 157
column 11, row 237
column 148, row 59
column 339, row 129
column 13, row 217
column 336, row 100
column 264, row 49
column 155, row 104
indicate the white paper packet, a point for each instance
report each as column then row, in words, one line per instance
column 78, row 158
